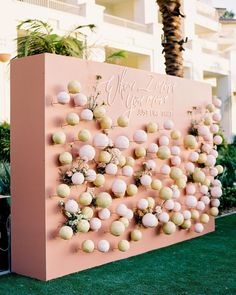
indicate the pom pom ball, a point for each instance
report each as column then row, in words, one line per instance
column 140, row 136
column 163, row 217
column 166, row 193
column 99, row 181
column 71, row 206
column 103, row 246
column 85, row 199
column 142, row 204
column 100, row 141
column 122, row 142
column 88, row 246
column 111, row 169
column 86, row 115
column 123, row 245
column 66, row 232
column 95, row 224
column 59, row 137
column 74, row 87
column 77, row 178
column 63, row 97
column 118, row 188
column 169, row 228
column 87, row 152
column 83, row 226
column 65, row 158
column 103, row 200
column 149, row 220
column 80, row 99
column 63, row 190
column 136, row 235
column 117, row 228
column 104, row 214
column 191, row 201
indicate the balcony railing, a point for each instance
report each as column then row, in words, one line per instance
column 54, row 4
column 207, row 11
column 115, row 20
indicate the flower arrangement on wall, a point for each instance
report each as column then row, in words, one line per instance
column 175, row 174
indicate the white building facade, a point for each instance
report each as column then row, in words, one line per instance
column 134, row 26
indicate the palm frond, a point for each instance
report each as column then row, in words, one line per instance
column 117, row 55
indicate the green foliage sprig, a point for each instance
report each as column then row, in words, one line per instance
column 39, row 38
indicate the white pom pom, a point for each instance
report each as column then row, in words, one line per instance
column 187, row 214
column 104, row 214
column 145, row 180
column 205, row 200
column 100, row 141
column 121, row 210
column 189, row 167
column 176, row 193
column 119, row 187
column 165, row 169
column 168, row 124
column 217, row 102
column 164, row 140
column 149, row 220
column 95, row 224
column 216, row 182
column 80, row 99
column 86, row 115
column 175, row 160
column 71, row 206
column 203, row 130
column 122, row 142
column 206, row 148
column 214, row 172
column 215, row 202
column 169, row 205
column 150, row 164
column 211, row 160
column 87, row 152
column 190, row 189
column 63, row 97
column 103, row 246
column 203, row 189
column 214, row 128
column 175, row 150
column 152, row 148
column 77, row 178
column 164, row 217
column 193, row 156
column 198, row 227
column 191, row 201
column 142, row 204
column 200, row 205
column 127, row 171
column 216, row 191
column 140, row 136
column 111, row 169
column 130, row 214
column 177, row 207
column 90, row 175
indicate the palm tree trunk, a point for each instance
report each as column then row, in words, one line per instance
column 172, row 42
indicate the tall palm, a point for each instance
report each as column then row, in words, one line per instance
column 38, row 37
column 172, row 41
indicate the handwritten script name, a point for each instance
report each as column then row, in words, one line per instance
column 152, row 93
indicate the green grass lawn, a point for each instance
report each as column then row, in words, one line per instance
column 205, row 265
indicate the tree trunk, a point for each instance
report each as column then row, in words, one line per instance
column 172, row 42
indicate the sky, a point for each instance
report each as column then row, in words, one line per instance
column 229, row 4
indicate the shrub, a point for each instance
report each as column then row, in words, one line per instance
column 228, row 199
column 5, row 142
column 5, row 179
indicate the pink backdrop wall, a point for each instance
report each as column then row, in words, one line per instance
column 37, row 251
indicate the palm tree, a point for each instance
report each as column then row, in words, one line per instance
column 172, row 41
column 38, row 37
